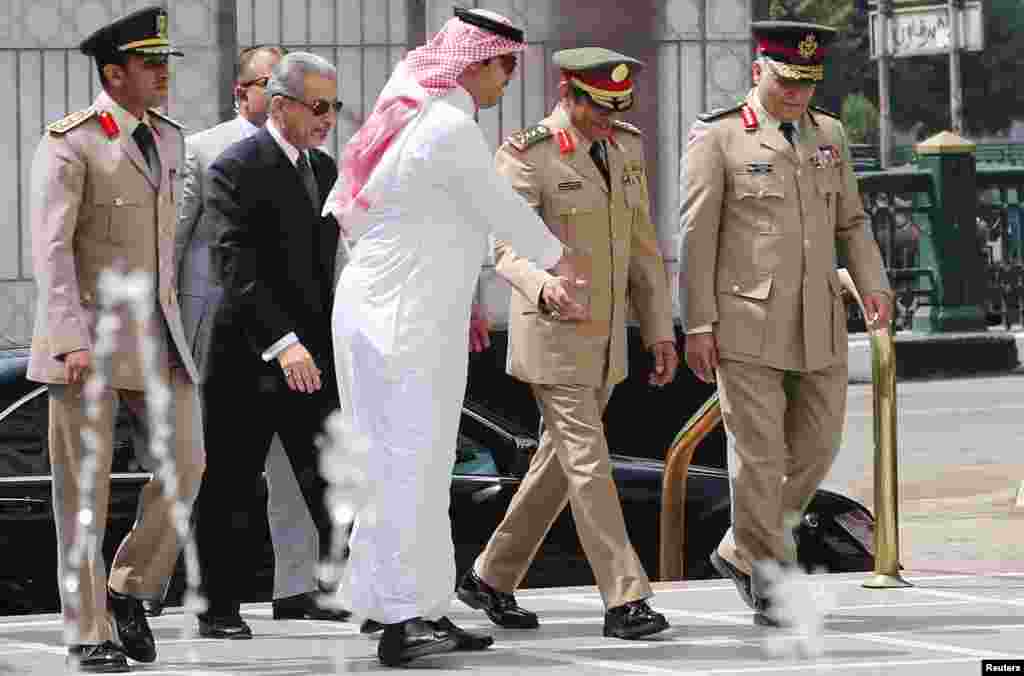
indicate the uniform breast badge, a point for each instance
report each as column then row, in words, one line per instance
column 826, row 157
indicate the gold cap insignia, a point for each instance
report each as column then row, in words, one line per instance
column 161, row 25
column 620, row 73
column 808, row 46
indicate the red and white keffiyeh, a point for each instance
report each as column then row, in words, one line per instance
column 426, row 72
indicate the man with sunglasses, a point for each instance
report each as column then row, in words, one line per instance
column 103, row 188
column 292, row 531
column 270, row 367
column 583, row 170
column 769, row 198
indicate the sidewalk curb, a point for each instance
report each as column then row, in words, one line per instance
column 947, row 355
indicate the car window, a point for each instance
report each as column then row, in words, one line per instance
column 473, row 458
column 24, row 439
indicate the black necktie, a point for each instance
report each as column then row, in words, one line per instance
column 144, row 139
column 598, row 153
column 788, row 130
column 306, row 174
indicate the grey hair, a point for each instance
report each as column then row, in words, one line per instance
column 288, row 78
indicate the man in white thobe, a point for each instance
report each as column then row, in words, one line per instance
column 419, row 191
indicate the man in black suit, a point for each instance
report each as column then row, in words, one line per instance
column 271, row 367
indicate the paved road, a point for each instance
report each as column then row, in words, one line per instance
column 961, row 451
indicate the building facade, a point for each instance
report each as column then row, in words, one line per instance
column 697, row 54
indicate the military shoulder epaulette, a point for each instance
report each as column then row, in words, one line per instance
column 71, row 121
column 713, row 115
column 521, row 140
column 824, row 112
column 619, row 124
column 172, row 122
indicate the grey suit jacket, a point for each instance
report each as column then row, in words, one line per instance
column 199, row 289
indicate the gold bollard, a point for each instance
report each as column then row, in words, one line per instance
column 672, row 547
column 883, row 382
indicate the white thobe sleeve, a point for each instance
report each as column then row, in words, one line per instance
column 489, row 197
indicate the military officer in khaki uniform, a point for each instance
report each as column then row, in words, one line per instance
column 104, row 181
column 768, row 196
column 583, row 170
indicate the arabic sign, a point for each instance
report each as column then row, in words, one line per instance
column 926, row 30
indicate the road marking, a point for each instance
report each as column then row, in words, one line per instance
column 791, row 667
column 970, row 598
column 942, row 411
column 8, row 648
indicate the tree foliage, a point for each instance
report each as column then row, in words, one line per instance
column 992, row 93
column 860, row 117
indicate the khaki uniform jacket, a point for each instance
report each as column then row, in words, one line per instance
column 558, row 178
column 95, row 205
column 761, row 222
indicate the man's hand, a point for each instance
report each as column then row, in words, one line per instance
column 702, row 355
column 77, row 365
column 479, row 329
column 300, row 371
column 558, row 299
column 666, row 359
column 876, row 305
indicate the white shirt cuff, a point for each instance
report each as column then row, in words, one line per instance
column 280, row 346
column 703, row 328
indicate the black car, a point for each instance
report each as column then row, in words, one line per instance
column 492, row 455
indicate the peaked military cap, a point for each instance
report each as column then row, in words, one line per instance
column 141, row 32
column 604, row 75
column 796, row 50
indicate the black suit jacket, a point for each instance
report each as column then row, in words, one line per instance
column 275, row 256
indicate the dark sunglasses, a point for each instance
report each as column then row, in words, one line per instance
column 155, row 60
column 508, row 63
column 320, row 106
column 258, row 82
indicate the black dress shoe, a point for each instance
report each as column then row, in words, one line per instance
column 633, row 620
column 413, row 638
column 152, row 608
column 467, row 639
column 132, row 627
column 501, row 607
column 370, row 627
column 739, row 578
column 223, row 626
column 305, row 607
column 97, row 658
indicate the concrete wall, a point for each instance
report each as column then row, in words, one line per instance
column 697, row 54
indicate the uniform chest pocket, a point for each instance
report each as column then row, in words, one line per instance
column 634, row 189
column 573, row 223
column 121, row 218
column 758, row 186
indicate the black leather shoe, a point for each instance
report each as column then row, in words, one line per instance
column 739, row 578
column 97, row 658
column 370, row 627
column 501, row 607
column 152, row 608
column 131, row 626
column 405, row 641
column 467, row 639
column 633, row 620
column 229, row 627
column 305, row 607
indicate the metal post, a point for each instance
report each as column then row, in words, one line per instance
column 956, row 110
column 883, row 381
column 884, row 113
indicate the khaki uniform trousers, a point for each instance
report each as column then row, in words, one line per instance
column 784, row 430
column 571, row 465
column 146, row 557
